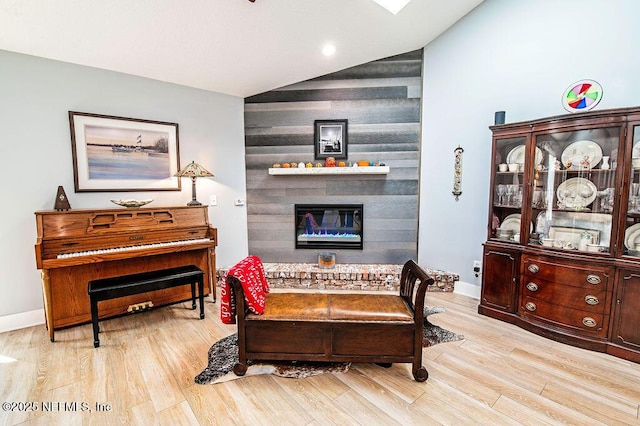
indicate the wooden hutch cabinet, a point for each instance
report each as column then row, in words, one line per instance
column 562, row 256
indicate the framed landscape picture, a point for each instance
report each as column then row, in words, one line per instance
column 330, row 138
column 123, row 154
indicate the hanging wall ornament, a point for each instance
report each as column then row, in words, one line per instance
column 457, row 172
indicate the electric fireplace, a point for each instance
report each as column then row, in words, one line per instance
column 329, row 226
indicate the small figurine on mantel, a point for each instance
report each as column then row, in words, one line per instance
column 62, row 202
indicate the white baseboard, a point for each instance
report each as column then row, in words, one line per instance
column 467, row 289
column 21, row 320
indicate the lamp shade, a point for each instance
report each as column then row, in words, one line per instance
column 194, row 170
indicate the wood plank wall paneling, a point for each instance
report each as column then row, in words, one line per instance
column 382, row 101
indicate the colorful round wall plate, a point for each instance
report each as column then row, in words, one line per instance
column 582, row 96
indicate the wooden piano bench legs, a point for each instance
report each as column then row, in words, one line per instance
column 127, row 285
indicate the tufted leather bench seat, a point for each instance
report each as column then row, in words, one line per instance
column 333, row 307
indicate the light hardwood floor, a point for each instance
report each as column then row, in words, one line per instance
column 146, row 363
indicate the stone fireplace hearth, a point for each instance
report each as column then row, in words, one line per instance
column 368, row 277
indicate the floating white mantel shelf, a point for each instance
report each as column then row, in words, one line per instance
column 368, row 170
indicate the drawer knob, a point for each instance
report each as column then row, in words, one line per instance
column 533, row 268
column 530, row 306
column 593, row 279
column 589, row 322
column 532, row 286
column 591, row 300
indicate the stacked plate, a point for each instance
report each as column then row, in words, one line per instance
column 504, row 234
column 509, row 227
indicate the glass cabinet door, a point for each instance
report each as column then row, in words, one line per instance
column 574, row 188
column 632, row 225
column 507, row 194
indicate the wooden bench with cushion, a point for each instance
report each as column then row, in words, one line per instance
column 127, row 285
column 382, row 329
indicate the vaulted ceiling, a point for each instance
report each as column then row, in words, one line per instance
column 235, row 47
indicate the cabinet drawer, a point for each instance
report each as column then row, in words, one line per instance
column 589, row 299
column 590, row 277
column 583, row 322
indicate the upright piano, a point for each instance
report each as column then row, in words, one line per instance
column 76, row 246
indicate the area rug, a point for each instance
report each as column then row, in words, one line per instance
column 223, row 355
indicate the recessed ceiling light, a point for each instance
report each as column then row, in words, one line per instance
column 393, row 6
column 328, row 50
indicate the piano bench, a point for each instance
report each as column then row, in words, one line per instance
column 127, row 285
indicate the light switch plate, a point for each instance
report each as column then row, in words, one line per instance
column 213, row 200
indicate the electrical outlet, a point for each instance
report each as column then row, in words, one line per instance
column 477, row 268
column 238, row 202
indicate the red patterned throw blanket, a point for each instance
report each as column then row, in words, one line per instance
column 250, row 272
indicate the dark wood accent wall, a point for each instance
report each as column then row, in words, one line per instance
column 381, row 100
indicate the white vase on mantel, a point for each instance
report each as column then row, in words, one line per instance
column 605, row 163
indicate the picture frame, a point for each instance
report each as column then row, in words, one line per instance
column 115, row 154
column 330, row 138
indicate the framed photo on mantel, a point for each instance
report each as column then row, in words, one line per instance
column 114, row 154
column 330, row 138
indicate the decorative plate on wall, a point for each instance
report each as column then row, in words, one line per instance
column 582, row 96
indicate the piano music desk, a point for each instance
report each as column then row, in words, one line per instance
column 127, row 285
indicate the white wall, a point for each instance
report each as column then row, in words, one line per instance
column 35, row 97
column 518, row 56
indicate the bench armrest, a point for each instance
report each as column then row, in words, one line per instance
column 237, row 297
column 414, row 298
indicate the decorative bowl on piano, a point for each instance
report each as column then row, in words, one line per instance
column 131, row 202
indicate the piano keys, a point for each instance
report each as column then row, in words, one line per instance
column 130, row 248
column 76, row 246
